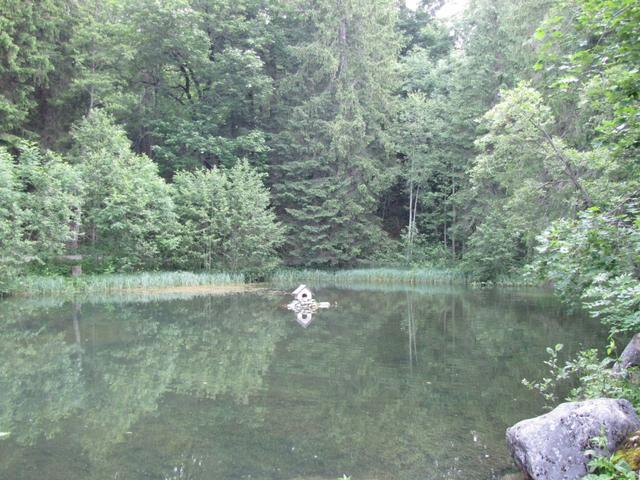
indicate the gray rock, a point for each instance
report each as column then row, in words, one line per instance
column 630, row 356
column 552, row 446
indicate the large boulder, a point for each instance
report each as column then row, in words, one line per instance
column 552, row 446
column 630, row 355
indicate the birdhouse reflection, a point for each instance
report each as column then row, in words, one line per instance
column 304, row 318
column 305, row 306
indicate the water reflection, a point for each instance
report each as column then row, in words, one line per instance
column 390, row 385
column 411, row 328
column 304, row 318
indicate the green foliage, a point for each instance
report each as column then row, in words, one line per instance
column 593, row 378
column 616, row 300
column 209, row 87
column 548, row 385
column 99, row 55
column 387, row 276
column 52, row 284
column 128, row 216
column 12, row 243
column 591, row 46
column 28, row 35
column 539, row 161
column 51, row 200
column 493, row 250
column 226, row 222
column 430, row 172
column 606, row 467
column 40, row 199
column 526, row 170
column 330, row 157
column 590, row 55
column 378, row 125
column 596, row 379
column 595, row 259
column 202, row 208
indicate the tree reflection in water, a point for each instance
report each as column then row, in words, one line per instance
column 391, row 384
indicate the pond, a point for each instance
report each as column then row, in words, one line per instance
column 386, row 384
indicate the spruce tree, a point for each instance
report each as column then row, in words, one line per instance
column 12, row 244
column 225, row 221
column 329, row 161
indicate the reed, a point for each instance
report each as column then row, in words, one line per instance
column 421, row 276
column 41, row 285
column 509, row 281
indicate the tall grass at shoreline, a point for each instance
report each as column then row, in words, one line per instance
column 422, row 276
column 105, row 283
column 42, row 285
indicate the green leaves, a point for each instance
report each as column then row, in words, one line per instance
column 330, row 159
column 12, row 243
column 226, row 222
column 39, row 201
column 539, row 34
column 604, row 468
column 28, row 50
column 128, row 217
column 594, row 260
column 594, row 53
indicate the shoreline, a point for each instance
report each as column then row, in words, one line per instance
column 200, row 283
column 186, row 289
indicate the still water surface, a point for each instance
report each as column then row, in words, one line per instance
column 404, row 384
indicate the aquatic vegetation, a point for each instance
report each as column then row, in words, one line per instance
column 423, row 276
column 130, row 281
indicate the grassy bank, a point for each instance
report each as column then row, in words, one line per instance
column 43, row 285
column 422, row 276
column 188, row 282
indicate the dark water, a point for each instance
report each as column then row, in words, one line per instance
column 415, row 384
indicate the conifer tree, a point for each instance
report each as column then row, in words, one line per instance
column 39, row 201
column 28, row 47
column 11, row 242
column 128, row 218
column 225, row 220
column 330, row 160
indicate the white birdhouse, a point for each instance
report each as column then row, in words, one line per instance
column 302, row 294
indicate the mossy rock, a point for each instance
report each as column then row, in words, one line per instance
column 629, row 451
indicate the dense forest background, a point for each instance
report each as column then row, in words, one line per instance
column 241, row 134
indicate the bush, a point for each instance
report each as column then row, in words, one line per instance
column 226, row 222
column 591, row 375
column 596, row 260
column 128, row 219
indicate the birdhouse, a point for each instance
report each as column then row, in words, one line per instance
column 302, row 294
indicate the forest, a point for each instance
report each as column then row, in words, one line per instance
column 245, row 135
column 411, row 163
